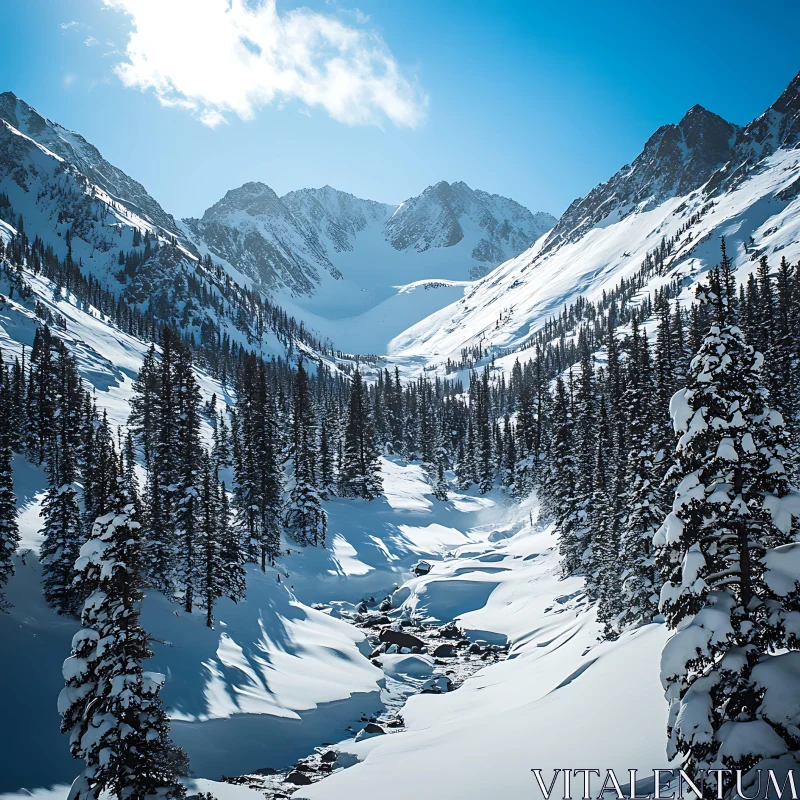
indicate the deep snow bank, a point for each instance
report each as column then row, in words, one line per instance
column 562, row 699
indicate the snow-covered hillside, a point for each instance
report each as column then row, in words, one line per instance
column 703, row 178
column 278, row 678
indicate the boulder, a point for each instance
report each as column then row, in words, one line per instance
column 475, row 648
column 444, row 651
column 400, row 638
column 450, row 631
column 370, row 730
column 373, row 727
column 328, row 757
column 375, row 622
column 298, row 778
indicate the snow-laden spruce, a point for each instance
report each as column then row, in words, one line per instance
column 110, row 706
column 643, row 515
column 306, row 520
column 725, row 666
column 9, row 531
column 360, row 474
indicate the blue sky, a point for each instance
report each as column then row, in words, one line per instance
column 537, row 101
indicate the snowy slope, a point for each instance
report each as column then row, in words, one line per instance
column 606, row 235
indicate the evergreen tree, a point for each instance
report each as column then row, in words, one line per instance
column 62, row 529
column 306, row 521
column 602, row 555
column 211, row 569
column 717, row 548
column 643, row 515
column 559, row 492
column 361, row 467
column 188, row 509
column 110, row 705
column 9, row 532
column 440, row 489
column 464, row 467
column 483, row 434
column 232, row 553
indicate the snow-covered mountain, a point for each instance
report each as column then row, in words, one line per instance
column 676, row 159
column 696, row 181
column 86, row 158
column 349, row 265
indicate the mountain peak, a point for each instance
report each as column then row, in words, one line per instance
column 253, row 198
column 445, row 212
column 789, row 100
column 676, row 159
column 778, row 126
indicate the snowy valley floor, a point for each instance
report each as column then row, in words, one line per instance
column 277, row 678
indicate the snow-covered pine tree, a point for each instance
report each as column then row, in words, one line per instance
column 326, row 461
column 144, row 404
column 602, row 555
column 232, row 551
column 440, row 489
column 211, row 569
column 162, row 488
column 361, row 476
column 483, row 434
column 397, row 418
column 306, row 521
column 9, row 532
column 188, row 509
column 642, row 515
column 62, row 529
column 509, row 457
column 250, row 443
column 723, row 671
column 559, row 490
column 42, row 394
column 465, row 465
column 221, row 450
column 110, row 705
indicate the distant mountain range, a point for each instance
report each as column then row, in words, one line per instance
column 322, row 253
column 411, row 279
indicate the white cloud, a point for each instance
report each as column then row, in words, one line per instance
column 216, row 57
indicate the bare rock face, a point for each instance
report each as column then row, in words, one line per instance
column 778, row 126
column 675, row 160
